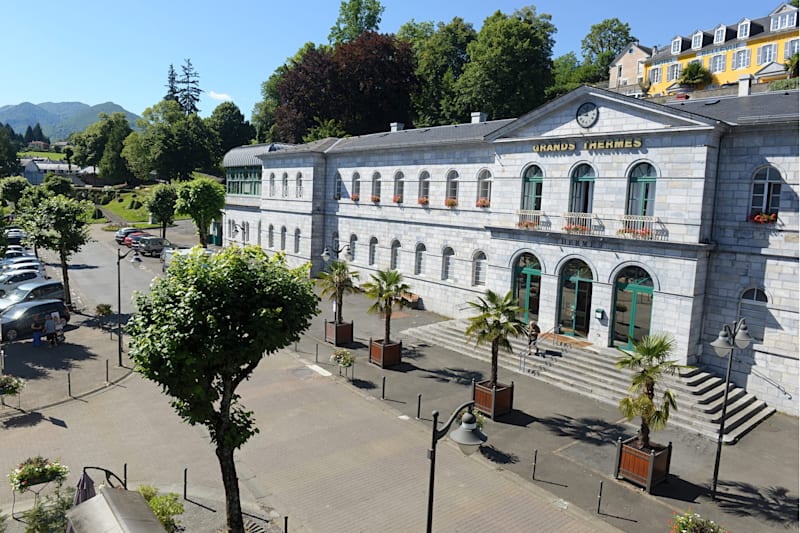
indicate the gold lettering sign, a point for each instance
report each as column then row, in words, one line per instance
column 604, row 144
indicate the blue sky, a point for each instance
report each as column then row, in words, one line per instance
column 95, row 51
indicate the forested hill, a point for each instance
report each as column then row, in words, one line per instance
column 58, row 119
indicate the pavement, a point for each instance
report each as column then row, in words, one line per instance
column 347, row 452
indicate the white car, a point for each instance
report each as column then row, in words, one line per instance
column 15, row 278
column 8, row 261
column 28, row 265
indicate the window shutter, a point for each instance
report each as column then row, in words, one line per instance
column 747, row 58
column 760, row 56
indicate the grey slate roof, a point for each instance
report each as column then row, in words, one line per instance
column 457, row 133
column 247, row 156
column 777, row 106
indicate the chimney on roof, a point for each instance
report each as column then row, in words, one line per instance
column 655, row 50
column 396, row 126
column 744, row 84
column 478, row 117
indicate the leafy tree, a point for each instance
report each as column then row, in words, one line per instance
column 649, row 362
column 161, row 205
column 386, row 288
column 567, row 75
column 189, row 88
column 56, row 184
column 355, row 17
column 11, row 189
column 604, row 42
column 336, row 282
column 791, row 66
column 172, row 85
column 496, row 320
column 9, row 163
column 203, row 330
column 229, row 127
column 101, row 144
column 202, row 199
column 68, row 153
column 509, row 65
column 695, row 75
column 324, row 129
column 59, row 224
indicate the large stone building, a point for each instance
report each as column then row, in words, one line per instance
column 609, row 218
column 754, row 48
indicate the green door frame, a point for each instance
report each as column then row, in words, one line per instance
column 529, row 272
column 577, row 280
column 635, row 289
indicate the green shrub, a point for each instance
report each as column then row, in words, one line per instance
column 49, row 513
column 690, row 522
column 165, row 506
column 783, row 85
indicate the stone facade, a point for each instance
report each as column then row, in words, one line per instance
column 634, row 223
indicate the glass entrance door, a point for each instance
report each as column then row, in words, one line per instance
column 575, row 299
column 527, row 286
column 633, row 306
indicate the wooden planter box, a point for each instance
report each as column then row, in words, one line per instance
column 493, row 402
column 385, row 355
column 339, row 334
column 646, row 468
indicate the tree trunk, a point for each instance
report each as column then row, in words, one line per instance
column 644, row 436
column 163, row 230
column 339, row 301
column 388, row 325
column 65, row 276
column 233, row 506
column 495, row 352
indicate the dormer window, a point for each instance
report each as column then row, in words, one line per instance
column 676, row 46
column 697, row 40
column 719, row 35
column 784, row 20
column 744, row 30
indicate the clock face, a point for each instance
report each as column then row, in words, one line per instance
column 587, row 115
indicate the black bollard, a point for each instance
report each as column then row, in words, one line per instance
column 599, row 497
column 69, row 385
column 285, row 524
column 419, row 404
column 316, row 353
column 107, row 380
column 185, row 470
column 383, row 388
column 533, row 474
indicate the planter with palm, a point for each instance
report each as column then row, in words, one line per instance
column 496, row 320
column 335, row 283
column 386, row 288
column 638, row 459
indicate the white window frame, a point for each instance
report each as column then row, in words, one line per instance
column 399, row 187
column 767, row 53
column 740, row 59
column 654, row 75
column 298, row 185
column 376, row 185
column 674, row 71
column 783, row 21
column 480, row 266
column 394, row 256
column 676, row 45
column 743, row 30
column 373, row 250
column 448, row 260
column 719, row 34
column 765, row 194
column 452, row 186
column 484, row 186
column 424, row 187
column 697, row 40
column 355, row 185
column 419, row 260
column 791, row 48
column 714, row 65
column 285, row 185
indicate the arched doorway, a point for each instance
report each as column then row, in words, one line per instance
column 527, row 285
column 633, row 306
column 575, row 298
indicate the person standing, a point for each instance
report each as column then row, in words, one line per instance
column 533, row 337
column 37, row 326
column 50, row 330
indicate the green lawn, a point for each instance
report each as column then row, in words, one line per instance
column 121, row 207
column 55, row 156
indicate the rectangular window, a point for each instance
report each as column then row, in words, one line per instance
column 767, row 54
column 744, row 30
column 791, row 48
column 719, row 35
column 717, row 63
column 674, row 72
column 619, row 71
column 676, row 46
column 655, row 75
column 697, row 40
column 639, row 69
column 740, row 60
column 785, row 20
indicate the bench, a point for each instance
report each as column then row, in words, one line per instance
column 411, row 299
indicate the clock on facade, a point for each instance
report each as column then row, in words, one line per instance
column 587, row 115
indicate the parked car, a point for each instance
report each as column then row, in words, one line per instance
column 136, row 237
column 30, row 265
column 15, row 235
column 128, row 241
column 150, row 245
column 15, row 278
column 26, row 258
column 14, row 253
column 36, row 290
column 16, row 321
column 16, row 248
column 121, row 233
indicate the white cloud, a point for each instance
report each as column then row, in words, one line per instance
column 219, row 96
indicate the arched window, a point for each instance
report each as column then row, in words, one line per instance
column 283, row 237
column 641, row 190
column 272, row 184
column 338, row 186
column 399, row 186
column 298, row 186
column 424, row 189
column 479, row 267
column 376, row 187
column 754, row 295
column 285, row 185
column 582, row 189
column 753, row 308
column 297, row 241
column 451, row 196
column 484, row 198
column 355, row 187
column 373, row 250
column 447, row 263
column 394, row 259
column 766, row 199
column 353, row 242
column 419, row 259
column 271, row 236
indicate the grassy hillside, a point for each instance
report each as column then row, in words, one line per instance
column 55, row 156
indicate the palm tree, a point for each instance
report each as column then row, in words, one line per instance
column 496, row 321
column 337, row 281
column 649, row 362
column 791, row 66
column 695, row 75
column 386, row 288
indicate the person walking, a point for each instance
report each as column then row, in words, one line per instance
column 37, row 326
column 50, row 330
column 533, row 337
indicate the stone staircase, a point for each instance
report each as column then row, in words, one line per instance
column 589, row 370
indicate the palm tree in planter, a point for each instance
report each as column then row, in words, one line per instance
column 649, row 363
column 387, row 289
column 335, row 282
column 496, row 320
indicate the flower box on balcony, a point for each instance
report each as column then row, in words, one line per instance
column 376, row 199
column 528, row 224
column 398, row 199
column 422, row 200
column 482, row 202
column 576, row 228
column 641, row 233
column 451, row 202
column 355, row 197
column 764, row 218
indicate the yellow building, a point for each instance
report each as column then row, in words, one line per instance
column 756, row 47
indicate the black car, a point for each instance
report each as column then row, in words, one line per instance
column 16, row 321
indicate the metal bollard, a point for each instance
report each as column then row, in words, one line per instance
column 185, row 470
column 285, row 524
column 69, row 385
column 419, row 404
column 107, row 380
column 125, row 476
column 383, row 388
column 316, row 353
column 599, row 497
column 533, row 474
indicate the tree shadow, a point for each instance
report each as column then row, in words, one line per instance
column 460, row 376
column 516, row 418
column 590, row 430
column 36, row 362
column 679, row 489
column 79, row 266
column 498, row 456
column 24, row 420
column 772, row 504
column 363, row 384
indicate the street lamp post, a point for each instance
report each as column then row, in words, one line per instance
column 326, row 253
column 134, row 259
column 467, row 436
column 732, row 335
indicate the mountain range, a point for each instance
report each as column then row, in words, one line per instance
column 58, row 119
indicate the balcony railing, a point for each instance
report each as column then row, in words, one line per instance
column 580, row 223
column 637, row 227
column 531, row 220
